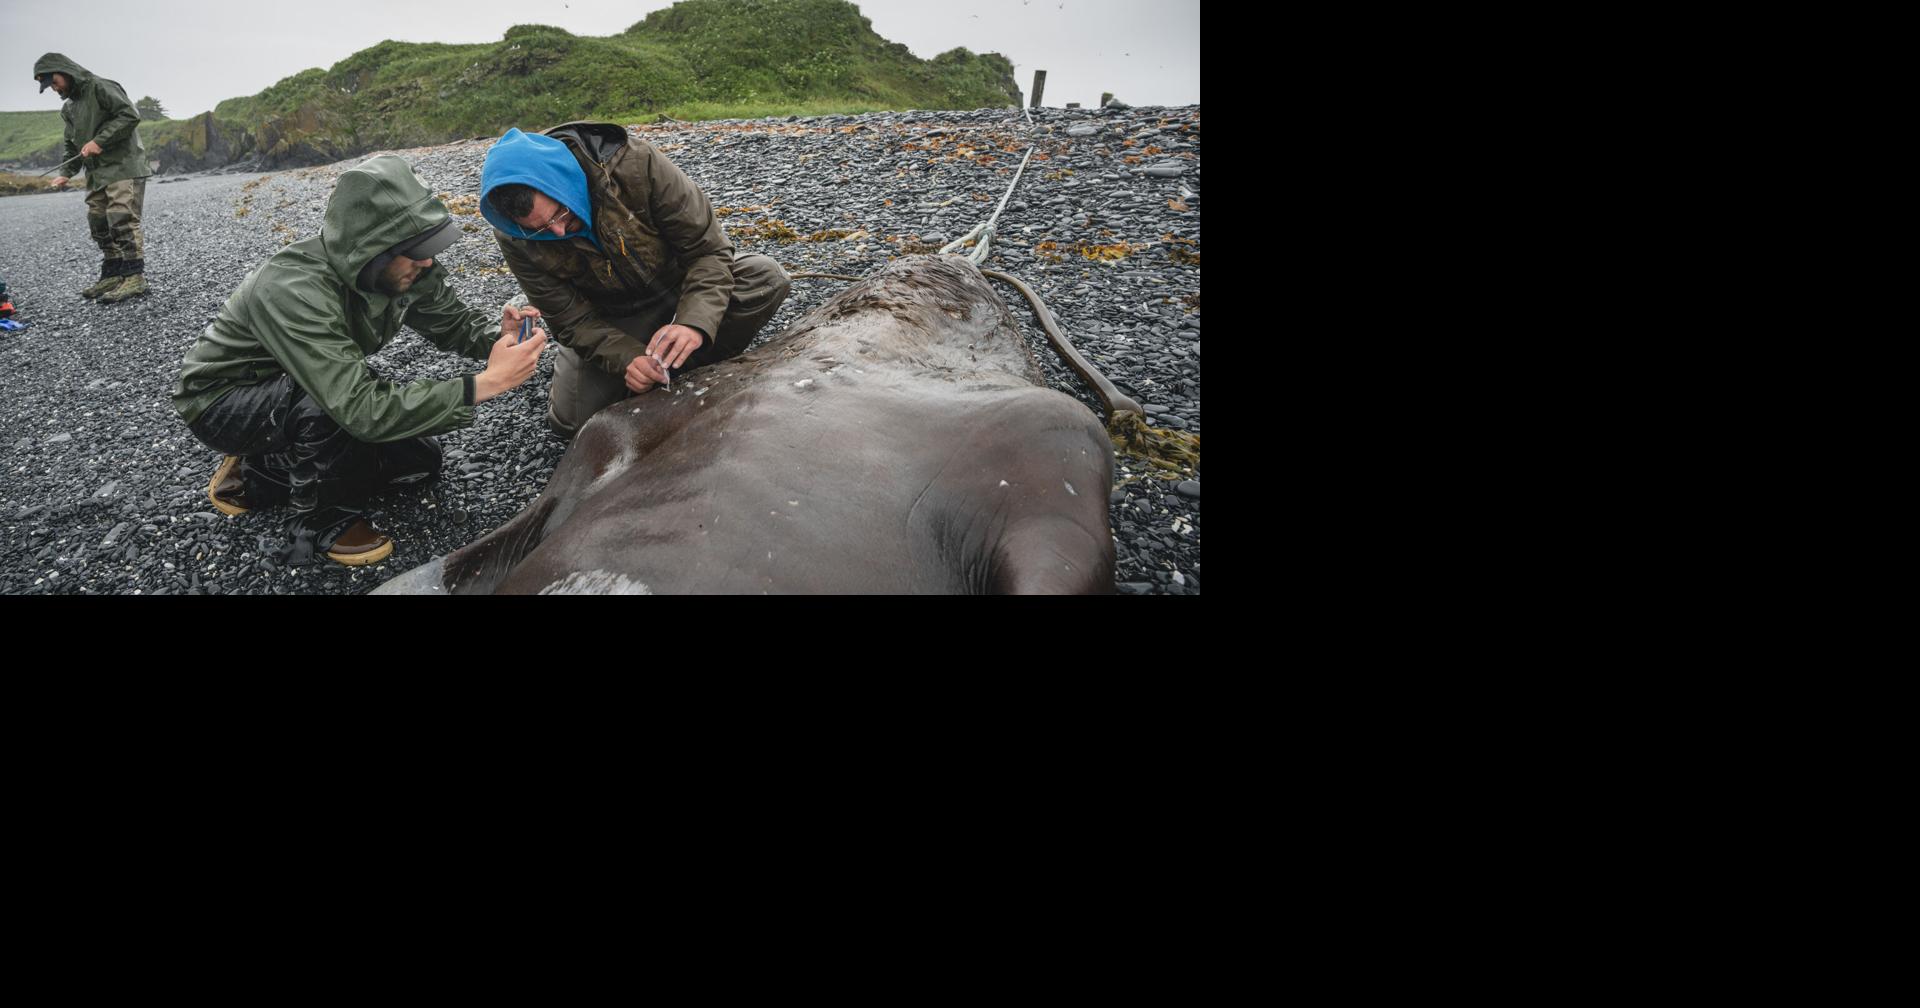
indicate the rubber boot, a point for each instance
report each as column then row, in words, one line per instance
column 112, row 272
column 134, row 285
column 339, row 534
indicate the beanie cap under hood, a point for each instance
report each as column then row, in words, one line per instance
column 546, row 164
column 377, row 207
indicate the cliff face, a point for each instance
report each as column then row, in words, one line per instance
column 197, row 144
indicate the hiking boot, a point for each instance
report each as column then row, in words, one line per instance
column 132, row 286
column 360, row 544
column 110, row 277
column 226, row 490
column 6, row 309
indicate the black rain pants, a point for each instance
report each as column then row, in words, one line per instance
column 292, row 452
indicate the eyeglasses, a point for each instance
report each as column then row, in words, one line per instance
column 558, row 216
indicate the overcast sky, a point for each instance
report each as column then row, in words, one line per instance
column 192, row 54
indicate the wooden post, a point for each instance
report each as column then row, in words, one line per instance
column 1105, row 97
column 1039, row 85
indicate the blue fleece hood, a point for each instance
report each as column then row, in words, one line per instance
column 543, row 163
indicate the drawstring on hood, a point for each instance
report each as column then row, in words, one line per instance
column 544, row 163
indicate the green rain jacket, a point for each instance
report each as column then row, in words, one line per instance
column 300, row 314
column 660, row 244
column 97, row 109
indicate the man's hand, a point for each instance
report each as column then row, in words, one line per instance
column 673, row 343
column 508, row 364
column 91, row 149
column 643, row 373
column 59, row 182
column 510, row 316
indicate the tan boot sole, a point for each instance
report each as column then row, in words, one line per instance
column 219, row 474
column 372, row 556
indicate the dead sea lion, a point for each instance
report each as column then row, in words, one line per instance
column 896, row 439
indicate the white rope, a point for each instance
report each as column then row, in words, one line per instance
column 985, row 231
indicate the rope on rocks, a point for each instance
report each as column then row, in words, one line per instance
column 985, row 231
column 1172, row 454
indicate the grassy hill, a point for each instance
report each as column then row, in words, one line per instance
column 700, row 59
column 33, row 136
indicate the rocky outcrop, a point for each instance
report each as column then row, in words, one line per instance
column 301, row 138
column 201, row 143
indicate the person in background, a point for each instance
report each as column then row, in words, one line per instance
column 103, row 136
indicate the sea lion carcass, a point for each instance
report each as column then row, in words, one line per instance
column 896, row 439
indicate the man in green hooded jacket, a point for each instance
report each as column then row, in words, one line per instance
column 279, row 381
column 103, row 137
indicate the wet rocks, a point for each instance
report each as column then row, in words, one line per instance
column 103, row 474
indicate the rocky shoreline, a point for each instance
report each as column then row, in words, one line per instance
column 102, row 489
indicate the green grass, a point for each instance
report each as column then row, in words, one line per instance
column 36, row 138
column 25, row 134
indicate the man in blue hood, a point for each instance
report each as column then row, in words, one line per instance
column 625, row 258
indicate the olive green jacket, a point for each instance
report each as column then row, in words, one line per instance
column 97, row 109
column 301, row 314
column 660, row 245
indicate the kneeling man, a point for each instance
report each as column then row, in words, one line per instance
column 280, row 383
column 624, row 254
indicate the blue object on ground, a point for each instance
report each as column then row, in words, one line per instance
column 10, row 325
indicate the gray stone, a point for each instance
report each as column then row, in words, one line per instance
column 1165, row 169
column 1189, row 488
column 60, row 438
